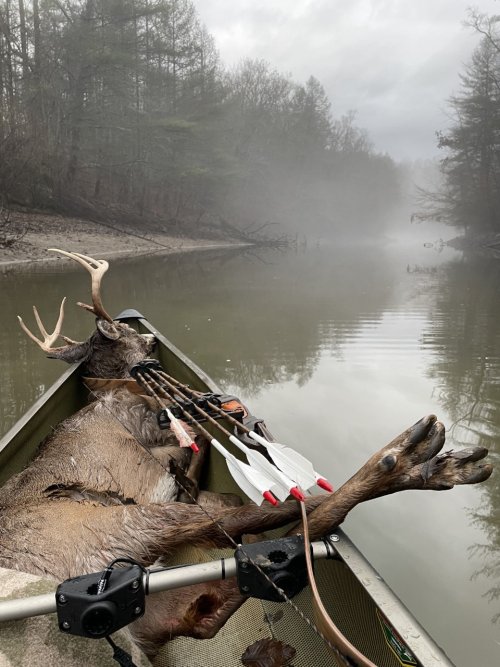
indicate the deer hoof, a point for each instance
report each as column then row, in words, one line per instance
column 425, row 440
column 467, row 470
column 420, row 430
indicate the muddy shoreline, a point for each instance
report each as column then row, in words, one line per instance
column 43, row 231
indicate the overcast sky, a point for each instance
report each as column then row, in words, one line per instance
column 394, row 61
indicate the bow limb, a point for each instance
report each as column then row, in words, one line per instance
column 341, row 646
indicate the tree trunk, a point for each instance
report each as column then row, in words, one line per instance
column 24, row 41
column 9, row 68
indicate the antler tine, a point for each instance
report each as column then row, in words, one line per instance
column 97, row 268
column 48, row 339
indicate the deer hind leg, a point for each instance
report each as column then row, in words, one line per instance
column 197, row 611
column 188, row 480
column 189, row 483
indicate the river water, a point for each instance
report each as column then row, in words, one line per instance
column 340, row 349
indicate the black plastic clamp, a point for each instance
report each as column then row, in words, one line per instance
column 82, row 611
column 281, row 565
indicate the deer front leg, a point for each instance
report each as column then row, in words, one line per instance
column 410, row 461
column 62, row 538
column 93, row 535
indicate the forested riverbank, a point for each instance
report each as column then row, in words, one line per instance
column 122, row 111
column 40, row 231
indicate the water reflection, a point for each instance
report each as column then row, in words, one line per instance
column 270, row 318
column 340, row 350
column 465, row 335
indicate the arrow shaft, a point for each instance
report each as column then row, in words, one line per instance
column 292, row 467
column 248, row 479
column 290, row 463
column 174, row 389
column 212, row 406
column 189, row 418
column 281, row 478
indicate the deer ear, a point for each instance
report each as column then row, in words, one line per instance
column 107, row 329
column 71, row 354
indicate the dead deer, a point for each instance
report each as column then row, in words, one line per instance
column 93, row 493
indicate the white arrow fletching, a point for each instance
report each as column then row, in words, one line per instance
column 252, row 482
column 244, row 484
column 289, row 461
column 180, row 433
column 260, row 463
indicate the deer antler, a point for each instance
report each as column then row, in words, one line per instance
column 97, row 268
column 48, row 339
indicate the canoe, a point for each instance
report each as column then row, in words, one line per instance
column 361, row 604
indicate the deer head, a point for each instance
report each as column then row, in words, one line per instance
column 111, row 350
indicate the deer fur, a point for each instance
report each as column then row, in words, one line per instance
column 95, row 493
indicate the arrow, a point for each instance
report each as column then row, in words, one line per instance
column 291, row 470
column 183, row 437
column 180, row 432
column 295, row 466
column 284, row 485
column 254, row 483
column 289, row 461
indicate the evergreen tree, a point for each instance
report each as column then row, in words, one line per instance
column 472, row 163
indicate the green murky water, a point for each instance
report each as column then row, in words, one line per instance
column 340, row 349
